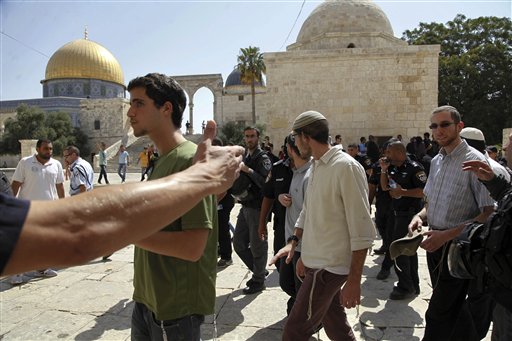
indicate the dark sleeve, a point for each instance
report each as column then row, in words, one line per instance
column 268, row 187
column 261, row 170
column 498, row 187
column 13, row 213
column 419, row 177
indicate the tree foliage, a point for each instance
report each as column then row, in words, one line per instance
column 475, row 69
column 233, row 132
column 34, row 123
column 251, row 67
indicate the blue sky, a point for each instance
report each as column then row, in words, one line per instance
column 177, row 37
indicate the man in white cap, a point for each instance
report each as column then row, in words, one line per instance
column 337, row 232
column 476, row 139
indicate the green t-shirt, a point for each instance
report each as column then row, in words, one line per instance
column 171, row 287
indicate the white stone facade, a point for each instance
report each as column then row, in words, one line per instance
column 378, row 91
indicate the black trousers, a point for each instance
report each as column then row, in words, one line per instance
column 225, row 248
column 448, row 316
column 385, row 222
column 406, row 267
column 288, row 280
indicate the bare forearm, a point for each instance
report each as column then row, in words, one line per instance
column 15, row 186
column 60, row 190
column 188, row 245
column 414, row 193
column 266, row 205
column 357, row 264
column 86, row 226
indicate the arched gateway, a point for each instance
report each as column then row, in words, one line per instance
column 192, row 83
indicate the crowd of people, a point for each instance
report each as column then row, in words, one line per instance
column 318, row 196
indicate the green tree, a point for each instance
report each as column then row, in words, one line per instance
column 233, row 132
column 475, row 69
column 34, row 123
column 251, row 67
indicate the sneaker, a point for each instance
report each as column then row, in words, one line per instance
column 401, row 294
column 46, row 273
column 222, row 263
column 383, row 274
column 254, row 288
column 251, row 281
column 16, row 280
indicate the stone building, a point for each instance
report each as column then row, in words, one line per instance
column 347, row 64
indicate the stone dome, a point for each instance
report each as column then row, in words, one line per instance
column 344, row 17
column 234, row 79
column 84, row 59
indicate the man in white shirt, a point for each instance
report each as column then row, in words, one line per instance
column 38, row 177
column 337, row 232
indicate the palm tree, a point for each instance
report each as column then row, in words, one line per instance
column 251, row 67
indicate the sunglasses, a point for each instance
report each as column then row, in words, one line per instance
column 440, row 125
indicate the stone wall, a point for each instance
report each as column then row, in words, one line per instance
column 237, row 106
column 105, row 120
column 378, row 91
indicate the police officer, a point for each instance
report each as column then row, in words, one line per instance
column 384, row 218
column 353, row 150
column 251, row 249
column 405, row 180
column 278, row 182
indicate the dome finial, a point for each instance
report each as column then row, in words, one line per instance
column 86, row 34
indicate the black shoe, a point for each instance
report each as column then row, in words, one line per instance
column 254, row 288
column 380, row 251
column 251, row 281
column 401, row 294
column 383, row 274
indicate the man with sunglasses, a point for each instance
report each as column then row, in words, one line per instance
column 452, row 199
column 81, row 171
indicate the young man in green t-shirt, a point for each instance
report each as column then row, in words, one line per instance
column 175, row 269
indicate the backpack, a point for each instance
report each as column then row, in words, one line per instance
column 484, row 252
column 5, row 185
column 498, row 243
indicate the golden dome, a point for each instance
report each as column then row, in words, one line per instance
column 83, row 58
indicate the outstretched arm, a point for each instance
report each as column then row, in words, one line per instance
column 77, row 229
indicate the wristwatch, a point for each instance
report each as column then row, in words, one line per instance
column 292, row 238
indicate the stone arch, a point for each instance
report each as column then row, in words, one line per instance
column 192, row 83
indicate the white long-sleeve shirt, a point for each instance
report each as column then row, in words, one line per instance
column 336, row 213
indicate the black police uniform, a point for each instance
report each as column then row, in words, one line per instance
column 278, row 182
column 246, row 241
column 409, row 175
column 384, row 215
